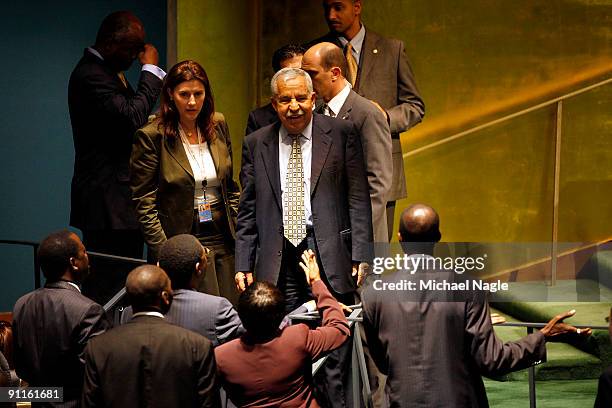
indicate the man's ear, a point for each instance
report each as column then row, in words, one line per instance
column 336, row 72
column 274, row 103
column 165, row 297
column 73, row 263
column 198, row 269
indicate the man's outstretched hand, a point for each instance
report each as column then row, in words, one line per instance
column 557, row 331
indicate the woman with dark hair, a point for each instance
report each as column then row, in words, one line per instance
column 181, row 175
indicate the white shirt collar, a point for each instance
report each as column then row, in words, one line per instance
column 95, row 52
column 335, row 103
column 74, row 284
column 356, row 41
column 307, row 132
column 156, row 314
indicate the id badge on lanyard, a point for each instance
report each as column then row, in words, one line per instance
column 204, row 210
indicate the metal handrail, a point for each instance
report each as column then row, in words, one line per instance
column 37, row 279
column 507, row 118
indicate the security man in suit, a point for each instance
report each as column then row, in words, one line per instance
column 379, row 70
column 52, row 325
column 433, row 350
column 105, row 112
column 326, row 65
column 148, row 361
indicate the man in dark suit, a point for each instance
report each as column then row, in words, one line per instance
column 379, row 71
column 326, row 65
column 148, row 361
column 105, row 112
column 52, row 325
column 433, row 350
column 288, row 56
column 183, row 258
column 303, row 186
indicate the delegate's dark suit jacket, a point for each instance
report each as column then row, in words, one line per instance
column 213, row 317
column 385, row 76
column 51, row 327
column 277, row 373
column 376, row 142
column 163, row 185
column 435, row 351
column 149, row 362
column 340, row 203
column 260, row 117
column 104, row 116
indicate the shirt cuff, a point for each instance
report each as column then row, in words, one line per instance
column 310, row 306
column 155, row 70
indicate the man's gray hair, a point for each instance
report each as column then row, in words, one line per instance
column 289, row 73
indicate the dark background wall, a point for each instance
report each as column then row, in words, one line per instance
column 40, row 43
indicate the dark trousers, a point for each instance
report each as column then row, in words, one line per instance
column 218, row 276
column 107, row 276
column 390, row 219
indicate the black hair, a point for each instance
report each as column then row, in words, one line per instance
column 178, row 258
column 54, row 254
column 261, row 308
column 284, row 53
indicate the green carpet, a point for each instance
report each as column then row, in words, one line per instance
column 549, row 394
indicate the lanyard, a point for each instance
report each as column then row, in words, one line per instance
column 190, row 152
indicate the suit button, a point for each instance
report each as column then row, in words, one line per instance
column 280, row 230
column 280, row 253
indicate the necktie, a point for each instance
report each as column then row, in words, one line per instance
column 351, row 64
column 294, row 221
column 328, row 112
column 121, row 76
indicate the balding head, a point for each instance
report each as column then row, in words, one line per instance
column 148, row 289
column 419, row 223
column 120, row 39
column 326, row 65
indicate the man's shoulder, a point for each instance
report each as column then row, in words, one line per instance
column 261, row 133
column 199, row 300
column 165, row 331
column 381, row 40
column 328, row 124
column 60, row 294
column 362, row 104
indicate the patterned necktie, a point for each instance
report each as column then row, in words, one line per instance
column 294, row 220
column 351, row 64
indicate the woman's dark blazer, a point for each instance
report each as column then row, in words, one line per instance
column 163, row 185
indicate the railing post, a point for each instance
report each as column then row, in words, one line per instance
column 555, row 221
column 532, row 387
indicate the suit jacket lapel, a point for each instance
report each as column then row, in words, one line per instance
column 321, row 142
column 368, row 57
column 347, row 106
column 269, row 155
column 177, row 151
column 215, row 147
